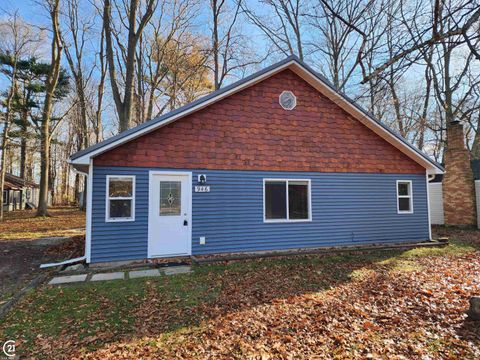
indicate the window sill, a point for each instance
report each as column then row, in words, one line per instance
column 120, row 220
column 279, row 221
column 404, row 212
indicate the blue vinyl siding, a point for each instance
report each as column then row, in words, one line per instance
column 347, row 209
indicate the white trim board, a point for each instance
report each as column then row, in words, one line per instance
column 88, row 230
column 305, row 73
column 428, row 207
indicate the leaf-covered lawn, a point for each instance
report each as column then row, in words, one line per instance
column 23, row 224
column 379, row 305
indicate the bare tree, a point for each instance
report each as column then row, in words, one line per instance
column 53, row 7
column 449, row 69
column 97, row 98
column 124, row 58
column 171, row 25
column 463, row 17
column 74, row 38
column 338, row 43
column 281, row 22
column 230, row 50
column 78, row 29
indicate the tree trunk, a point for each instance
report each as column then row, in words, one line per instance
column 51, row 84
column 23, row 145
column 215, row 45
column 44, row 170
column 3, row 161
column 5, row 138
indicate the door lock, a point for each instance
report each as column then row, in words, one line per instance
column 185, row 223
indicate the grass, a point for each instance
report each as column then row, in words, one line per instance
column 23, row 224
column 166, row 313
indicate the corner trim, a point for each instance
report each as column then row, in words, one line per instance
column 88, row 230
column 428, row 206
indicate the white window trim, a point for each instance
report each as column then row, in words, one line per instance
column 107, row 199
column 287, row 220
column 410, row 187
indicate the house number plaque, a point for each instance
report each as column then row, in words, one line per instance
column 202, row 188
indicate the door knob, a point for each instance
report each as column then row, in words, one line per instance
column 185, row 223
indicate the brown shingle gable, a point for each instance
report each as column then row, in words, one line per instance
column 249, row 130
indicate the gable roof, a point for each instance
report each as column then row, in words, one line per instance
column 17, row 183
column 293, row 63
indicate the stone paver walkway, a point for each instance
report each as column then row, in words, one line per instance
column 68, row 279
column 108, row 276
column 143, row 273
column 120, row 275
column 177, row 270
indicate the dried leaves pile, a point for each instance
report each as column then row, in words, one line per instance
column 24, row 225
column 370, row 306
column 384, row 314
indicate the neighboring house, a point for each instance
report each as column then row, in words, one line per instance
column 436, row 194
column 278, row 160
column 19, row 194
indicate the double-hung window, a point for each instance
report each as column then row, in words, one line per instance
column 404, row 197
column 120, row 198
column 286, row 200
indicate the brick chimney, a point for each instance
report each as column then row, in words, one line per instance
column 458, row 184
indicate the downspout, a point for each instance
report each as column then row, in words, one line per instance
column 428, row 178
column 87, row 232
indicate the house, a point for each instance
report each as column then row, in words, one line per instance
column 436, row 196
column 278, row 160
column 19, row 194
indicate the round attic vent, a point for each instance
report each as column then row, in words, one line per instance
column 287, row 100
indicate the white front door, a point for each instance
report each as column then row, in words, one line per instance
column 169, row 214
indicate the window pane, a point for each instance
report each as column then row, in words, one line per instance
column 298, row 200
column 170, row 198
column 120, row 208
column 403, row 189
column 120, row 187
column 404, row 204
column 275, row 200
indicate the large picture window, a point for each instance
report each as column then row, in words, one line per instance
column 404, row 197
column 286, row 200
column 120, row 198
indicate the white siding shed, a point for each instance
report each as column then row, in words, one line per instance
column 436, row 203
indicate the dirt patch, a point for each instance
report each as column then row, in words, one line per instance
column 20, row 261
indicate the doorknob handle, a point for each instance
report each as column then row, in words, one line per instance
column 185, row 223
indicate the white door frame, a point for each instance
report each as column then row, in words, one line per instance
column 188, row 174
